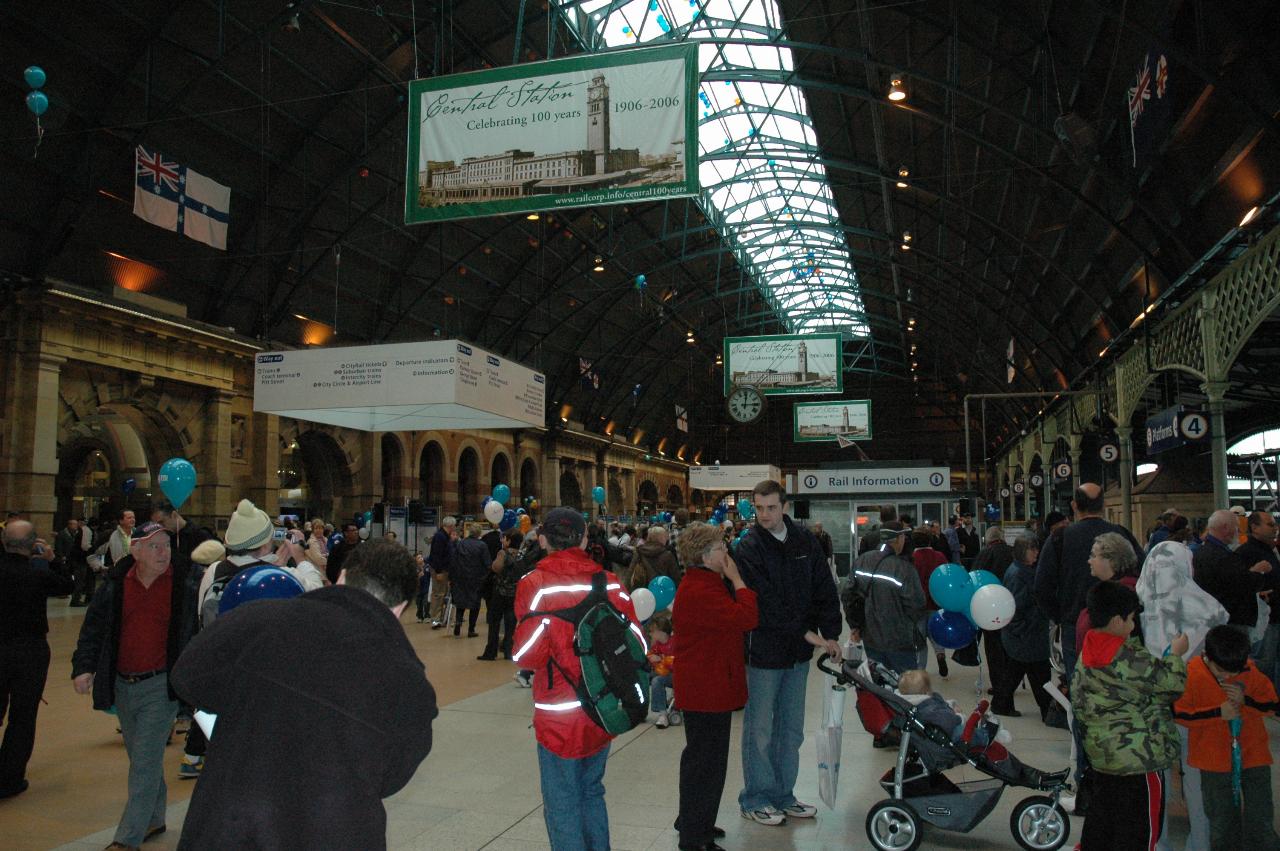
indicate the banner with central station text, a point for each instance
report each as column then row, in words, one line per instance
column 581, row 131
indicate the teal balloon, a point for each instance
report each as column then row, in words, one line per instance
column 978, row 578
column 35, row 77
column 597, row 495
column 37, row 102
column 177, row 480
column 663, row 590
column 950, row 588
column 502, row 493
column 368, row 517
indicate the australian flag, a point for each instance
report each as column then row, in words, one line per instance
column 590, row 378
column 1150, row 106
column 174, row 197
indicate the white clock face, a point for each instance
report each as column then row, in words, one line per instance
column 745, row 404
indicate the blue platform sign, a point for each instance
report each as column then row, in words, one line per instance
column 1174, row 427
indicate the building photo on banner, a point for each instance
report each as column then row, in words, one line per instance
column 784, row 364
column 581, row 131
column 813, row 422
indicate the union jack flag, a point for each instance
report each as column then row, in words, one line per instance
column 590, row 378
column 1150, row 104
column 151, row 164
column 1140, row 92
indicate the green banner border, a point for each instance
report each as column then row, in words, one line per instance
column 688, row 51
column 839, row 341
column 795, row 420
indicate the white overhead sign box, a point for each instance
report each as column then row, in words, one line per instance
column 440, row 384
column 874, row 480
column 732, row 477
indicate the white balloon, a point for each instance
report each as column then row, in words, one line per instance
column 493, row 511
column 364, row 533
column 643, row 601
column 992, row 607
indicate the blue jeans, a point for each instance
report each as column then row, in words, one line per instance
column 573, row 801
column 898, row 660
column 658, row 692
column 1268, row 660
column 772, row 732
column 146, row 717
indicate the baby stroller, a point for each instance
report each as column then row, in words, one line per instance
column 921, row 794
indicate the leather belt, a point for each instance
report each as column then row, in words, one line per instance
column 137, row 678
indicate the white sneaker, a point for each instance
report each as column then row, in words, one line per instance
column 765, row 815
column 523, row 679
column 662, row 722
column 799, row 810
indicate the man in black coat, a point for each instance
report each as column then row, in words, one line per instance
column 1233, row 580
column 323, row 709
column 1062, row 573
column 24, row 649
column 1261, row 546
column 799, row 611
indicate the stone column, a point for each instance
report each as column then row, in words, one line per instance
column 1216, row 391
column 33, row 441
column 549, row 497
column 213, row 468
column 1073, row 449
column 1125, row 434
column 264, row 464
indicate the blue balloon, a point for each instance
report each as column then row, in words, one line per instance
column 978, row 578
column 502, row 493
column 520, row 512
column 177, row 480
column 951, row 630
column 129, row 485
column 664, row 591
column 509, row 519
column 37, row 102
column 950, row 587
column 34, row 75
column 641, row 282
column 597, row 495
column 485, row 501
column 261, row 582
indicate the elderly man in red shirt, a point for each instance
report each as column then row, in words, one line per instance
column 132, row 634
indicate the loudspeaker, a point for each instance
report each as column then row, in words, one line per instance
column 378, row 514
column 800, row 509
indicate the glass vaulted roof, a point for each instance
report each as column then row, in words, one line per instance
column 761, row 179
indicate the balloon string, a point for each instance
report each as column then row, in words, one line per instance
column 35, row 152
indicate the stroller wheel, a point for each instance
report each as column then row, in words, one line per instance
column 1038, row 824
column 893, row 826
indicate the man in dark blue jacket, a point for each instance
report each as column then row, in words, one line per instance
column 799, row 610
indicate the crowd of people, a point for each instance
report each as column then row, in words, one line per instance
column 1166, row 651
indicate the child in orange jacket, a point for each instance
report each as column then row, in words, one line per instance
column 1222, row 685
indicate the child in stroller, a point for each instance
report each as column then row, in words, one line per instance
column 932, row 737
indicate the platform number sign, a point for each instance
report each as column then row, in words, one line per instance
column 1062, row 470
column 1018, row 488
column 1108, row 452
column 1004, row 493
column 1193, row 425
column 1037, row 480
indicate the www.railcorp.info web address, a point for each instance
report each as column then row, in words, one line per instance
column 644, row 192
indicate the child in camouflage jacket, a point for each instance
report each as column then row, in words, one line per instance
column 1122, row 698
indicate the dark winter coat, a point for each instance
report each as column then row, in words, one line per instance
column 1026, row 638
column 471, row 564
column 1062, row 574
column 1225, row 574
column 99, row 642
column 323, row 710
column 651, row 561
column 996, row 558
column 795, row 593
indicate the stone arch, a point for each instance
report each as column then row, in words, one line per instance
column 614, row 493
column 570, row 489
column 469, row 483
column 326, row 472
column 500, row 471
column 675, row 497
column 431, row 468
column 528, row 479
column 393, row 486
column 647, row 497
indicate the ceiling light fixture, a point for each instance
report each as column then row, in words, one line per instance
column 1249, row 216
column 291, row 24
column 906, row 247
column 533, row 217
column 599, row 267
column 903, row 173
column 897, row 92
column 906, row 236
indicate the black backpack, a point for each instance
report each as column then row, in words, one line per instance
column 612, row 682
column 223, row 572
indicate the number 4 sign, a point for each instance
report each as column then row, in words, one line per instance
column 1193, row 425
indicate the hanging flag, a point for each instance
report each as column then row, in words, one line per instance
column 1011, row 370
column 590, row 378
column 173, row 197
column 1150, row 104
column 682, row 419
column 635, row 395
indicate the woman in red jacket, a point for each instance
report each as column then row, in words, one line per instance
column 710, row 679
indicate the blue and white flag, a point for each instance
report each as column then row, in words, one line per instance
column 176, row 198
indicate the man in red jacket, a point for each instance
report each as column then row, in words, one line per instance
column 572, row 748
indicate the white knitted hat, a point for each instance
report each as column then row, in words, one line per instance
column 250, row 528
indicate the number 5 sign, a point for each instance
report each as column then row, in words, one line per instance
column 1108, row 452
